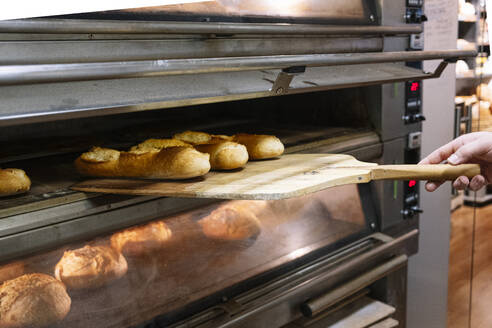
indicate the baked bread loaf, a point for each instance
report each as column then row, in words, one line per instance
column 260, row 146
column 90, row 267
column 33, row 300
column 224, row 155
column 167, row 163
column 11, row 270
column 137, row 241
column 158, row 144
column 13, row 181
column 232, row 221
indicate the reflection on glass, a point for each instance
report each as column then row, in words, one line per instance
column 138, row 273
column 269, row 8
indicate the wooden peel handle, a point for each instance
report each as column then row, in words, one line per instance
column 435, row 172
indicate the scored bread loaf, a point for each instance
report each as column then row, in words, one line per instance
column 137, row 241
column 158, row 144
column 231, row 221
column 224, row 155
column 196, row 137
column 33, row 300
column 90, row 267
column 13, row 181
column 180, row 162
column 259, row 146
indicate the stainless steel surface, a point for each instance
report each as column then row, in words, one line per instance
column 29, row 74
column 263, row 293
column 321, row 303
column 20, row 52
column 149, row 27
column 361, row 313
column 335, row 11
column 46, row 102
column 390, row 193
column 319, row 282
column 357, row 142
column 388, row 323
column 42, row 217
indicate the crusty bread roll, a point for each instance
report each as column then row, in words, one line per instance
column 11, row 270
column 140, row 240
column 224, row 155
column 260, row 146
column 90, row 267
column 231, row 221
column 33, row 300
column 168, row 163
column 13, row 181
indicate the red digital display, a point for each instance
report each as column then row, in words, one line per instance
column 414, row 86
column 412, row 183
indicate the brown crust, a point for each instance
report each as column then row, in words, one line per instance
column 33, row 300
column 140, row 240
column 11, row 270
column 158, row 144
column 231, row 221
column 225, row 155
column 194, row 137
column 13, row 181
column 260, row 146
column 168, row 163
column 90, row 267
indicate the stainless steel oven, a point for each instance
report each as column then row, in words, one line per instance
column 323, row 76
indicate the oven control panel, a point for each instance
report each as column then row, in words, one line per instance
column 415, row 14
column 413, row 103
column 411, row 188
column 411, row 200
column 415, row 3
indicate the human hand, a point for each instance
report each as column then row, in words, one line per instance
column 469, row 148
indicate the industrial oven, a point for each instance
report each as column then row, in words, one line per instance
column 324, row 76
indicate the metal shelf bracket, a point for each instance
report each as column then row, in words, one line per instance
column 284, row 78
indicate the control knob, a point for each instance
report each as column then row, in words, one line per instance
column 413, row 118
column 409, row 213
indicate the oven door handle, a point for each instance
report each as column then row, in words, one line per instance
column 390, row 248
column 92, row 26
column 45, row 73
column 325, row 301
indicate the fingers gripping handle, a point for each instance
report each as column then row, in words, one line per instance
column 435, row 172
